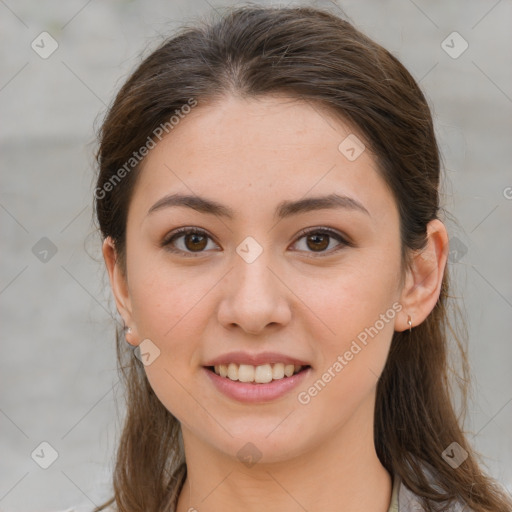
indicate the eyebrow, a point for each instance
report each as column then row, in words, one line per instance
column 283, row 209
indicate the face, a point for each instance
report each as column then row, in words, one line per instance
column 260, row 279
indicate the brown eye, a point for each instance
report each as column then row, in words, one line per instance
column 187, row 241
column 195, row 241
column 319, row 240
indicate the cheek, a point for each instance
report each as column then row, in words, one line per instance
column 360, row 313
column 352, row 297
column 162, row 297
column 356, row 307
column 167, row 307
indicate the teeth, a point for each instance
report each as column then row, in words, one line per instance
column 245, row 373
column 261, row 374
column 289, row 369
column 278, row 371
column 233, row 371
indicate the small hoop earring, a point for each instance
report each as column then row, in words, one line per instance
column 409, row 321
column 128, row 330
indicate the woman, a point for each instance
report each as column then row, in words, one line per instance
column 268, row 199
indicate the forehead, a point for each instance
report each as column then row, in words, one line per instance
column 250, row 153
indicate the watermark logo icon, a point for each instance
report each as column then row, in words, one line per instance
column 44, row 455
column 249, row 454
column 249, row 250
column 44, row 45
column 454, row 45
column 147, row 352
column 44, row 250
column 454, row 455
column 457, row 250
column 352, row 147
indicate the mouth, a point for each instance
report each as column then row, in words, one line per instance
column 261, row 374
column 259, row 384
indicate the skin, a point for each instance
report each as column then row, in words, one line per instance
column 295, row 298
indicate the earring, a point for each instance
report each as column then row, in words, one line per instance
column 409, row 321
column 128, row 330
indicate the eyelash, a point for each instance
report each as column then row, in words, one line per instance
column 178, row 233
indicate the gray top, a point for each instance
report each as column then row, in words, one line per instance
column 402, row 500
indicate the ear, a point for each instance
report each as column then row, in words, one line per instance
column 424, row 277
column 119, row 285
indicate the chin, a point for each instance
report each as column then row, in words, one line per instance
column 263, row 445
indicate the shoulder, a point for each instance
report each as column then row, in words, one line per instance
column 411, row 502
column 408, row 501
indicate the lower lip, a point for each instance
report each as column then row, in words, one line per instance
column 249, row 392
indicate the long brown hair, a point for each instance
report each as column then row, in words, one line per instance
column 316, row 56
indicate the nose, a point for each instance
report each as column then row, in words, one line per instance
column 254, row 297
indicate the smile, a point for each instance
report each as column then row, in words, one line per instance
column 260, row 385
column 261, row 374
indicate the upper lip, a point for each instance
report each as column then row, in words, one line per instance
column 255, row 359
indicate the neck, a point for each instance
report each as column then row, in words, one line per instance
column 342, row 472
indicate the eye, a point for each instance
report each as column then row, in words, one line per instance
column 319, row 239
column 194, row 241
column 191, row 240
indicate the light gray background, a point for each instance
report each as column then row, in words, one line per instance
column 57, row 370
